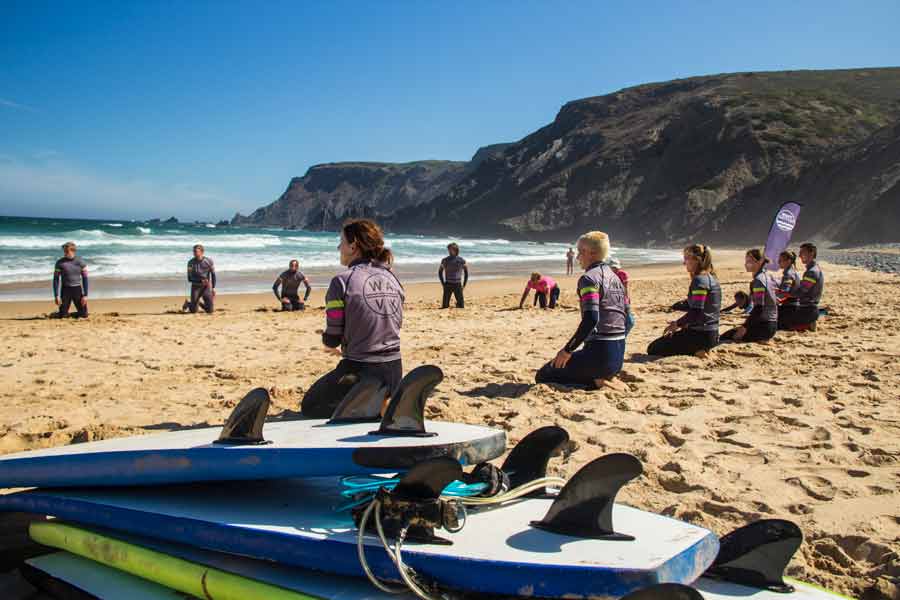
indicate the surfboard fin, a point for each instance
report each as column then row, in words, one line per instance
column 757, row 554
column 415, row 502
column 362, row 403
column 528, row 459
column 665, row 591
column 584, row 506
column 245, row 423
column 405, row 415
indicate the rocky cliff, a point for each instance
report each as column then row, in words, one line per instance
column 707, row 157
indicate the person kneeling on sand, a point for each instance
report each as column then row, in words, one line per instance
column 809, row 292
column 602, row 329
column 697, row 331
column 71, row 272
column 762, row 322
column 202, row 274
column 289, row 282
column 544, row 288
column 363, row 316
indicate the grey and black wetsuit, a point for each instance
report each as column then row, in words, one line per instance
column 70, row 285
column 700, row 324
column 454, row 275
column 808, row 296
column 202, row 275
column 788, row 292
column 363, row 315
column 602, row 330
column 762, row 322
column 289, row 282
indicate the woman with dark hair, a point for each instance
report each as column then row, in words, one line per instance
column 698, row 329
column 364, row 314
column 762, row 322
column 788, row 289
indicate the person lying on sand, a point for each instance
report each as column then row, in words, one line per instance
column 289, row 282
column 363, row 316
column 788, row 289
column 70, row 271
column 544, row 288
column 697, row 331
column 741, row 301
column 762, row 321
column 602, row 329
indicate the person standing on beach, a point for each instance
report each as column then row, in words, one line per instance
column 454, row 276
column 289, row 282
column 363, row 317
column 570, row 262
column 545, row 289
column 70, row 282
column 602, row 329
column 762, row 322
column 202, row 274
column 697, row 331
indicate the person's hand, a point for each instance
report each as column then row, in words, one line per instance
column 334, row 351
column 83, row 301
column 739, row 333
column 213, row 291
column 562, row 359
column 56, row 300
column 670, row 329
column 285, row 301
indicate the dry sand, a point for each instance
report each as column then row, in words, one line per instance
column 805, row 428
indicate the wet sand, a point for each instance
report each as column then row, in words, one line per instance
column 806, row 427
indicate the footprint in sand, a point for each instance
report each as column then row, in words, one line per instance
column 818, row 488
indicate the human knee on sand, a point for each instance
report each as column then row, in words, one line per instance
column 363, row 317
column 70, row 282
column 601, row 296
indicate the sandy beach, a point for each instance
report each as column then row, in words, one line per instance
column 805, row 428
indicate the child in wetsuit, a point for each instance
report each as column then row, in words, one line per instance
column 545, row 288
column 762, row 321
column 788, row 289
column 616, row 266
column 809, row 293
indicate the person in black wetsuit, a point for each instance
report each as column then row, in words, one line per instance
column 454, row 276
column 762, row 322
column 363, row 316
column 602, row 328
column 698, row 330
column 71, row 272
column 289, row 282
column 788, row 290
column 201, row 272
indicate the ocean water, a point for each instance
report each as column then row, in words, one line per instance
column 128, row 256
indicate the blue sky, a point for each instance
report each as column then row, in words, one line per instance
column 200, row 109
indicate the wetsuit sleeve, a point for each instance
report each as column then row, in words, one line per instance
column 84, row 281
column 212, row 274
column 334, row 314
column 589, row 298
column 787, row 283
column 465, row 275
column 441, row 273
column 681, row 305
column 275, row 287
column 308, row 289
column 189, row 271
column 757, row 298
column 696, row 302
column 57, row 275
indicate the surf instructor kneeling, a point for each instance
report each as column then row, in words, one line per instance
column 602, row 329
column 364, row 314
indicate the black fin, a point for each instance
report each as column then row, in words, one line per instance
column 362, row 403
column 245, row 423
column 405, row 415
column 583, row 507
column 427, row 480
column 757, row 554
column 665, row 591
column 528, row 460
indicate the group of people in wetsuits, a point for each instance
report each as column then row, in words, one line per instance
column 364, row 308
column 789, row 304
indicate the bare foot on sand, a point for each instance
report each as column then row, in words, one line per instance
column 613, row 384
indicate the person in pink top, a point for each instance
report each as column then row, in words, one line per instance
column 616, row 266
column 545, row 289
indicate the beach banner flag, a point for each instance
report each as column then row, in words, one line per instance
column 780, row 233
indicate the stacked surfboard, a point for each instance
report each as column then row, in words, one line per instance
column 363, row 505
